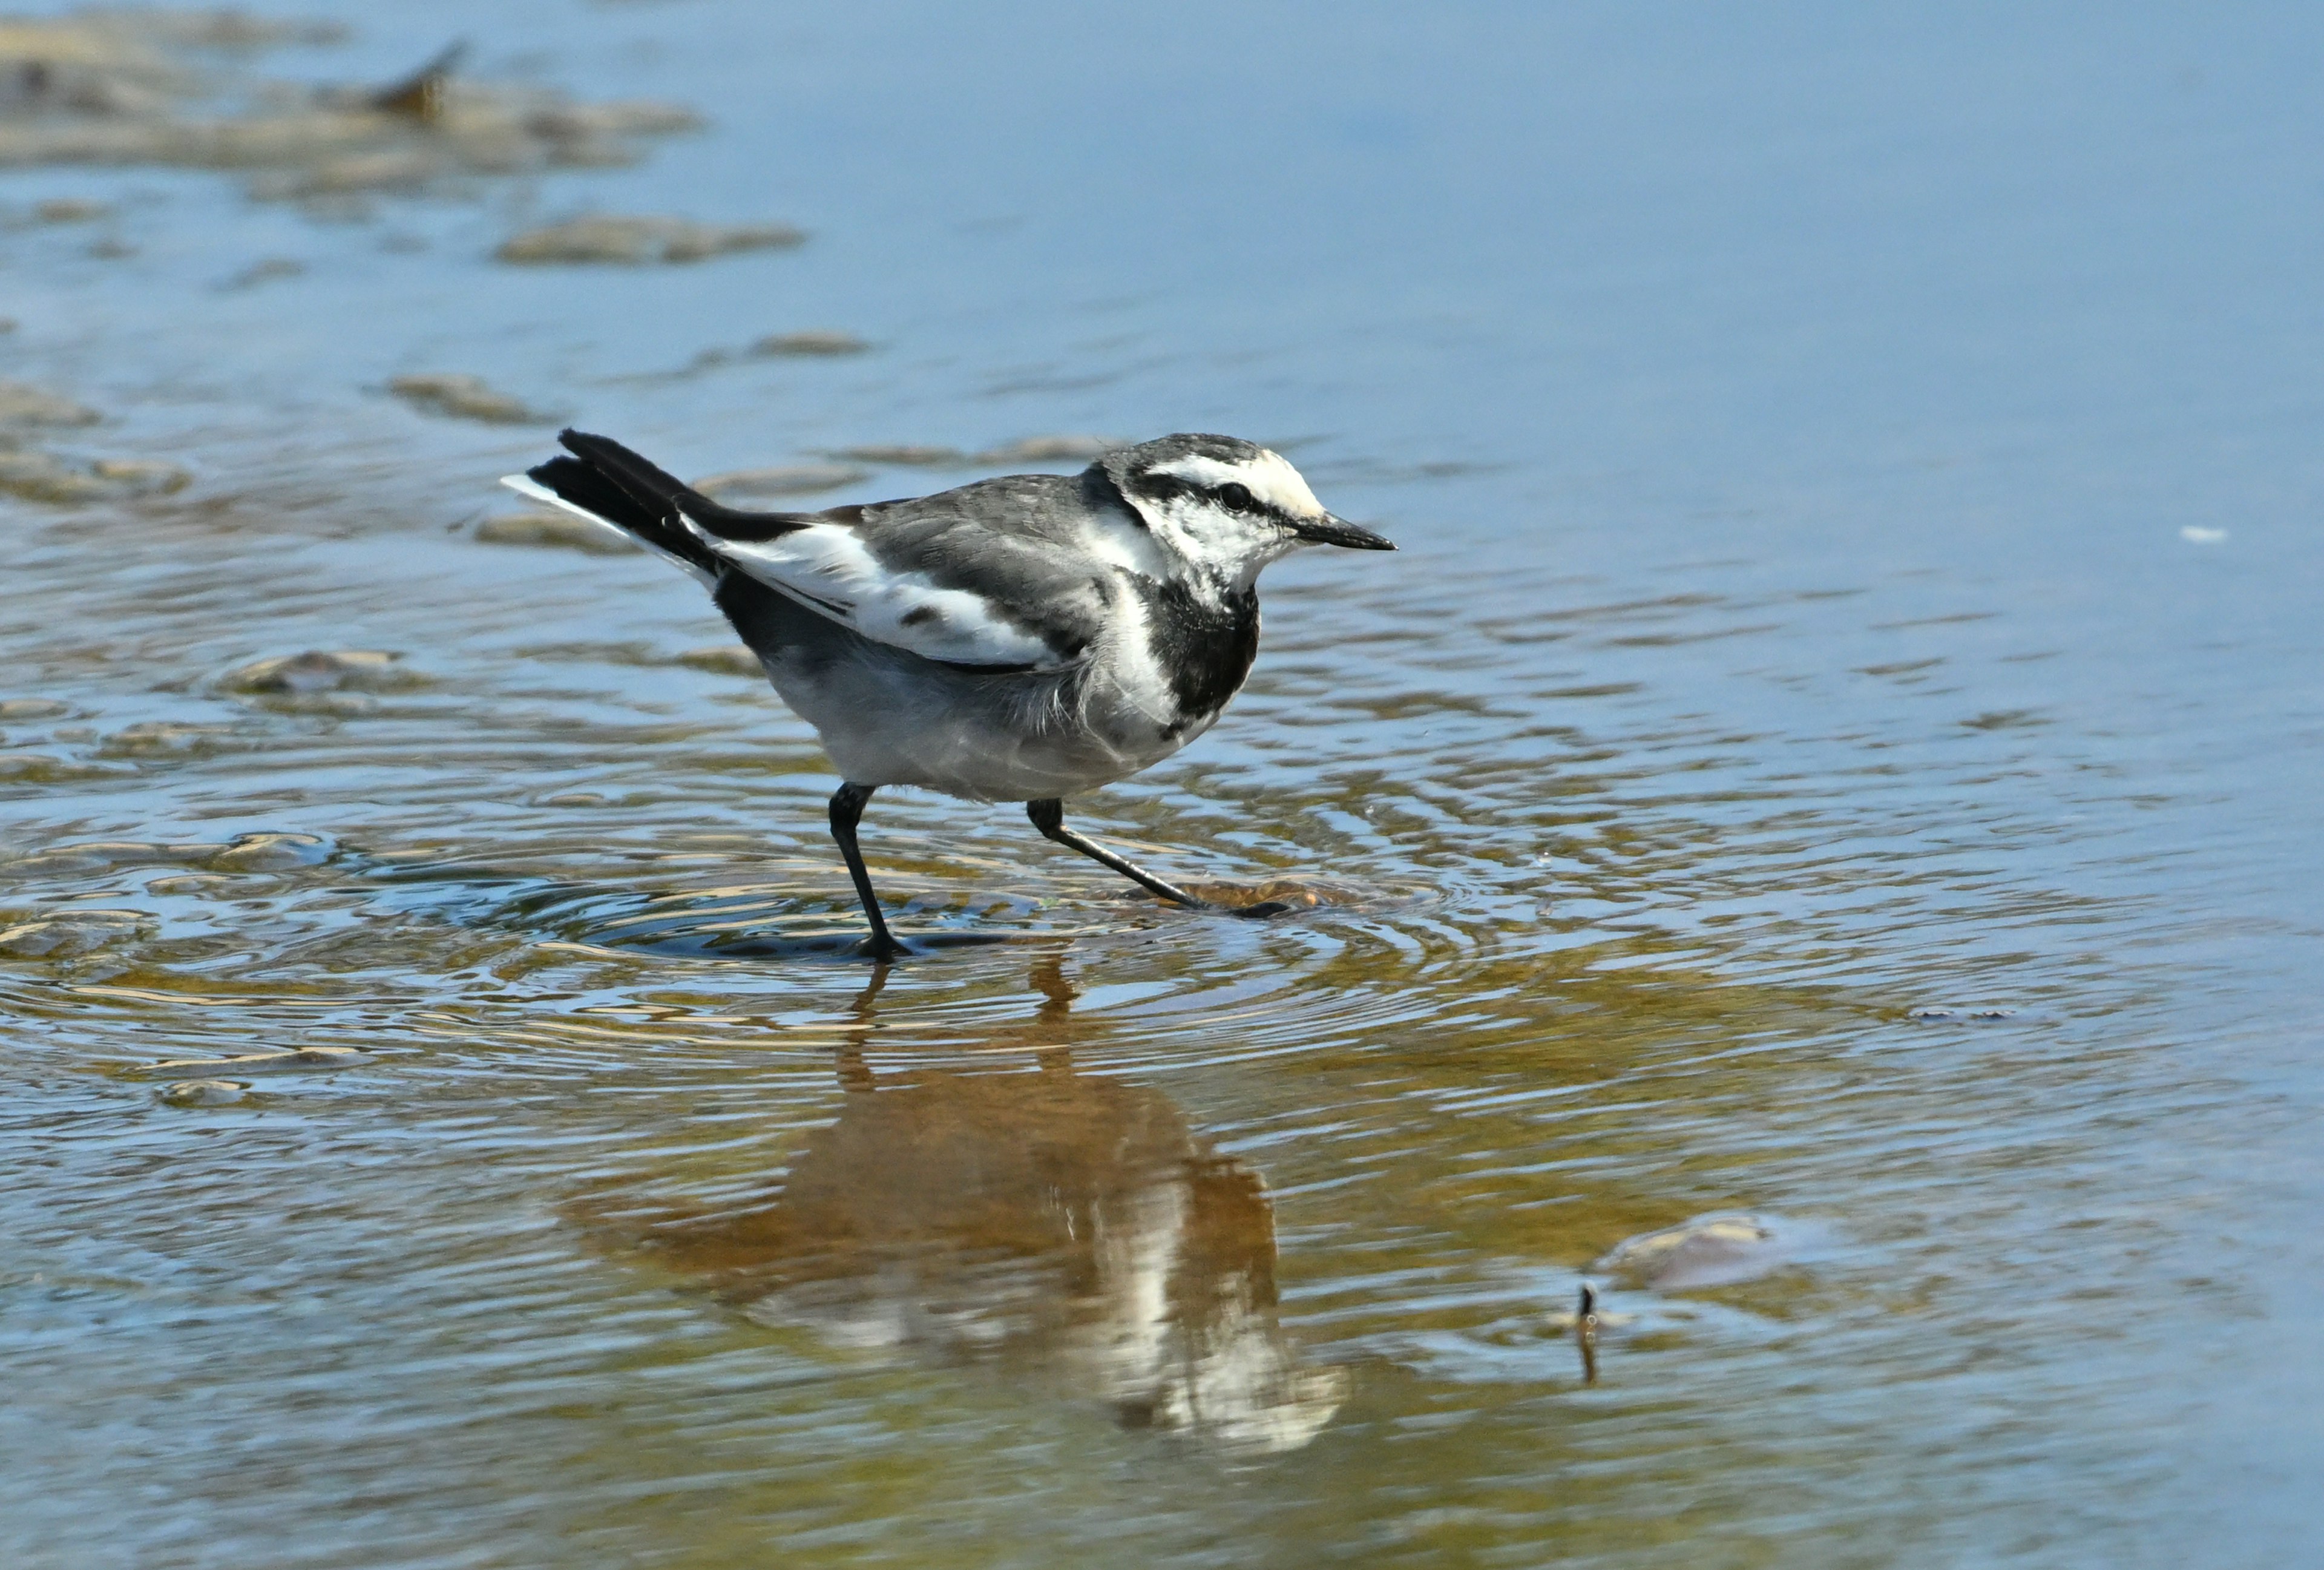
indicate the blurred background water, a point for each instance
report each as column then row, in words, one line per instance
column 1839, row 743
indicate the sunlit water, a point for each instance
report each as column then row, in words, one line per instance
column 1839, row 743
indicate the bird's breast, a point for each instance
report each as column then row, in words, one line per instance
column 1203, row 646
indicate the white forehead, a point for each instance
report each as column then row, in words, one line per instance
column 1271, row 478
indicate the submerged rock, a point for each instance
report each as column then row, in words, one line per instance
column 1050, row 449
column 43, row 476
column 724, row 659
column 780, row 480
column 304, row 1058
column 1718, row 1250
column 463, row 397
column 203, row 1093
column 636, row 242
column 563, row 531
column 70, row 210
column 24, row 404
column 65, row 936
column 907, row 455
column 809, row 344
column 321, row 671
column 271, row 853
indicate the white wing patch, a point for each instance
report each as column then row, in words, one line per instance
column 1271, row 479
column 827, row 568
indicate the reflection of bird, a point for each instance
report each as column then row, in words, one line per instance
column 1068, row 1230
column 1019, row 638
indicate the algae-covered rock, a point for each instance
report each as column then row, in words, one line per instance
column 463, row 397
column 637, row 242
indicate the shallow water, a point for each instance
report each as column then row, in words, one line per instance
column 1838, row 743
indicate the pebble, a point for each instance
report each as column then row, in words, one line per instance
column 1720, row 1249
column 33, row 708
column 563, row 531
column 780, row 480
column 265, row 1062
column 464, row 397
column 636, row 242
column 320, row 670
column 203, row 1093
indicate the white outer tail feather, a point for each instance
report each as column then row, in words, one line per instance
column 526, row 485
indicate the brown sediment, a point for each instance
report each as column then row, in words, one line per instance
column 132, row 87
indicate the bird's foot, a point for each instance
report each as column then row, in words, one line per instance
column 882, row 949
column 1263, row 909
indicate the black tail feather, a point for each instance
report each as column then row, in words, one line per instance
column 607, row 479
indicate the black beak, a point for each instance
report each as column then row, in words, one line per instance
column 1329, row 531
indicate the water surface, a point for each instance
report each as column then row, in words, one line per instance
column 1837, row 742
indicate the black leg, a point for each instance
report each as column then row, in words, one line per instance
column 1049, row 817
column 846, row 812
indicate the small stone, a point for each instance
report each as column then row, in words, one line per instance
column 22, row 403
column 203, row 1093
column 907, row 455
column 725, row 660
column 1718, row 1250
column 33, row 708
column 320, row 670
column 636, row 242
column 563, row 531
column 809, row 343
column 780, row 480
column 463, row 397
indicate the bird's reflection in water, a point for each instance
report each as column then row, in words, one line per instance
column 1071, row 1232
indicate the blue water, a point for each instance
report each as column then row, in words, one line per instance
column 1857, row 479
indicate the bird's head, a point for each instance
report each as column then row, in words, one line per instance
column 1225, row 506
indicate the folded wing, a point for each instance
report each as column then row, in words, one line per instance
column 946, row 581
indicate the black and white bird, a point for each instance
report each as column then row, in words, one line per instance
column 1019, row 638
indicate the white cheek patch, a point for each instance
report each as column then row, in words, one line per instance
column 1269, row 477
column 826, row 567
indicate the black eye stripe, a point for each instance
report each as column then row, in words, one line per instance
column 1234, row 496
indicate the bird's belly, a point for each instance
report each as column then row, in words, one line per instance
column 987, row 738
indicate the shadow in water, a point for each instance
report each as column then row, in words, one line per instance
column 1072, row 1233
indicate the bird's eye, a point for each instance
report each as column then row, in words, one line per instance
column 1237, row 494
